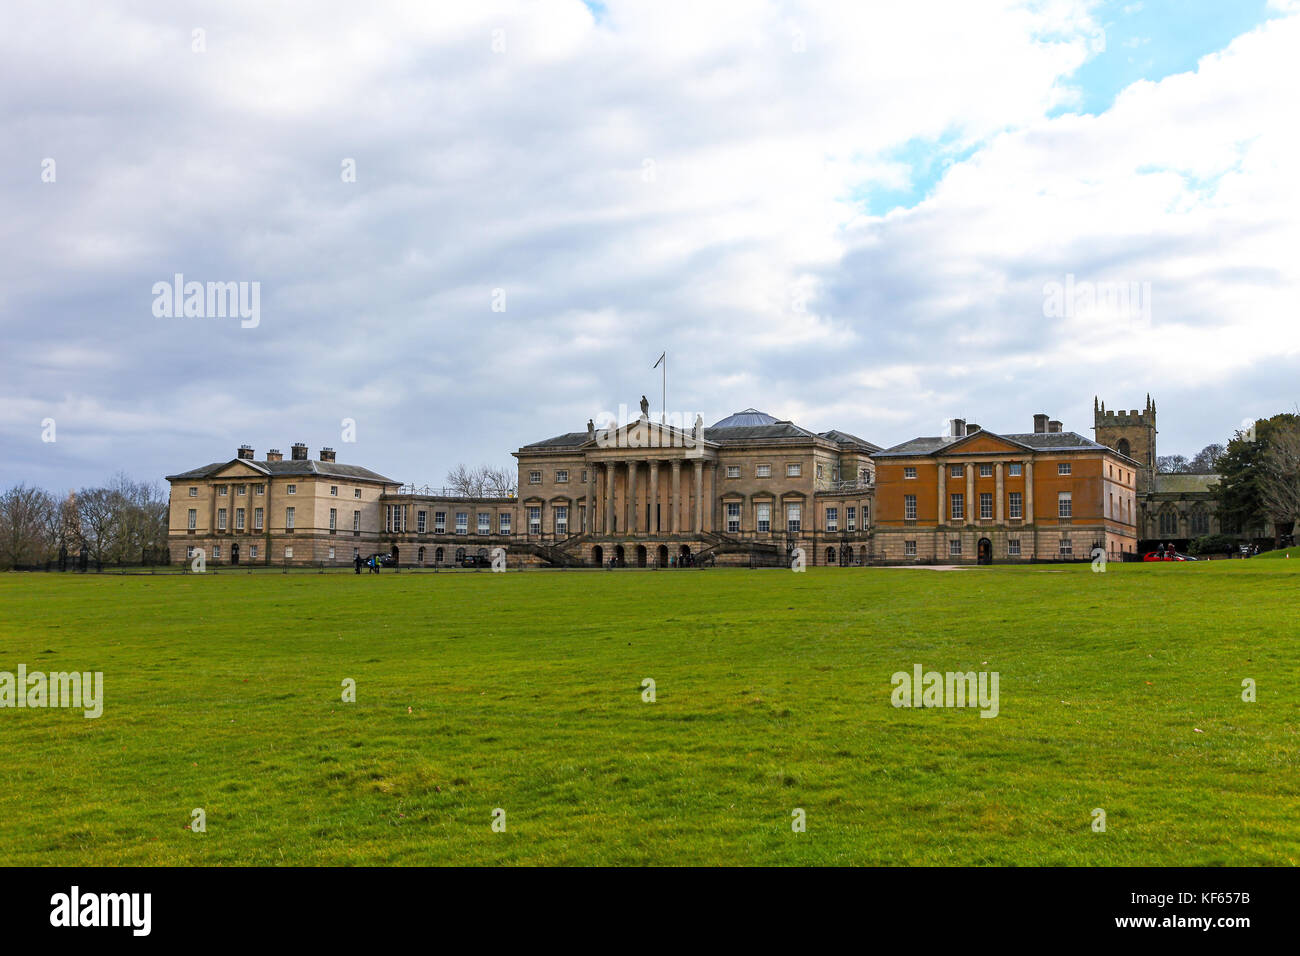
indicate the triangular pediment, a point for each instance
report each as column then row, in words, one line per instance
column 644, row 433
column 241, row 468
column 983, row 443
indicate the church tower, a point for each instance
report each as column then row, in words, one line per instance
column 1131, row 433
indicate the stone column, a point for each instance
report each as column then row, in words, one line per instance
column 943, row 494
column 609, row 497
column 584, row 519
column 999, row 491
column 654, row 496
column 630, row 504
column 675, row 493
column 971, row 513
column 699, row 496
column 1029, row 491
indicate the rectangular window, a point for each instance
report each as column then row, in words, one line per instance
column 955, row 471
column 584, row 476
column 288, row 552
column 852, row 518
column 192, row 519
column 763, row 471
column 421, row 521
column 1064, row 506
column 561, row 519
column 462, row 522
column 793, row 518
column 252, row 550
column 334, row 519
column 484, row 522
column 534, row 477
column 819, row 472
column 194, row 492
column 986, row 471
column 334, row 491
column 503, row 522
column 909, row 471
column 288, row 519
column 958, row 507
column 221, row 519
column 1014, row 507
column 1063, row 468
column 793, row 471
column 832, row 519
column 257, row 519
column 241, row 490
column 221, row 491
column 562, row 476
column 986, row 505
column 1067, row 548
column 356, row 521
column 259, row 489
column 216, row 552
column 439, row 522
column 1013, row 547
column 239, row 519
column 954, row 548
column 291, row 489
column 534, row 520
column 733, row 471
column 331, row 554
column 356, row 492
column 1014, row 469
column 909, row 549
column 762, row 517
column 909, row 507
column 733, row 516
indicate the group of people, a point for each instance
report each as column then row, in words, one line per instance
column 371, row 564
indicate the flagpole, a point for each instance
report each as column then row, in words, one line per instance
column 663, row 400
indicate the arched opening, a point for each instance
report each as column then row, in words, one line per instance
column 234, row 553
column 640, row 555
column 597, row 556
column 420, row 557
column 846, row 557
column 830, row 556
column 460, row 555
column 483, row 553
column 984, row 551
column 394, row 555
column 663, row 555
column 685, row 551
column 437, row 556
column 620, row 558
column 1122, row 447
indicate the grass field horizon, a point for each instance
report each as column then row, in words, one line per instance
column 1120, row 691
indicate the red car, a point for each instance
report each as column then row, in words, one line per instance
column 1165, row 556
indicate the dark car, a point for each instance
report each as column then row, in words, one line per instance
column 476, row 561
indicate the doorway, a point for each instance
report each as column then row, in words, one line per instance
column 984, row 551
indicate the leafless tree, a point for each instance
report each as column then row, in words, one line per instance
column 99, row 512
column 484, row 481
column 24, row 525
column 1279, row 475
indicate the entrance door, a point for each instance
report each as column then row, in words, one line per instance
column 619, row 557
column 663, row 555
column 640, row 555
column 234, row 553
column 985, row 551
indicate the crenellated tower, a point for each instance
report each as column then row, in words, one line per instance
column 1131, row 433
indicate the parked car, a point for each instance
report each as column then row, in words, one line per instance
column 1167, row 556
column 476, row 561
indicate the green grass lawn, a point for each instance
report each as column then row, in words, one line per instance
column 1119, row 691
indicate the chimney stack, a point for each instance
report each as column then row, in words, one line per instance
column 1040, row 424
column 956, row 427
column 1054, row 426
column 971, row 428
column 246, row 452
column 299, row 451
column 274, row 455
column 327, row 454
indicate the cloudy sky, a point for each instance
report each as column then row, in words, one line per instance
column 852, row 215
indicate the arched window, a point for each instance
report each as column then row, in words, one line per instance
column 437, row 556
column 1200, row 521
column 460, row 555
column 1123, row 448
column 1168, row 522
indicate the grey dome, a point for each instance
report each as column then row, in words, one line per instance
column 750, row 416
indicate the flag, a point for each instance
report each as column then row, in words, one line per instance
column 661, row 358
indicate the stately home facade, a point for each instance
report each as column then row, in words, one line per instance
column 748, row 490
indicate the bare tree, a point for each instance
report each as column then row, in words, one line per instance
column 1203, row 461
column 484, row 481
column 99, row 512
column 24, row 525
column 1279, row 476
column 1172, row 464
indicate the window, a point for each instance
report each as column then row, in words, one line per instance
column 331, row 554
column 439, row 522
column 534, row 477
column 793, row 516
column 561, row 519
column 986, row 505
column 192, row 519
column 257, row 519
column 1014, row 469
column 259, row 489
column 866, row 515
column 216, row 552
column 733, row 471
column 958, row 507
column 1067, row 549
column 484, row 522
column 334, row 520
column 288, row 519
column 1014, row 507
column 1169, row 522
column 954, row 547
column 762, row 516
column 194, row 492
column 851, row 517
column 288, row 552
column 986, row 471
column 819, row 472
column 1200, row 521
column 584, row 476
column 241, row 490
column 955, row 471
column 534, row 520
column 356, row 522
column 462, row 522
column 239, row 519
column 356, row 552
column 909, row 507
column 395, row 517
column 794, row 470
column 909, row 471
column 421, row 521
column 221, row 491
column 562, row 476
column 909, row 549
column 733, row 516
column 221, row 519
column 763, row 471
column 291, row 489
column 1013, row 547
column 503, row 522
column 252, row 550
column 356, row 492
column 1064, row 506
column 334, row 491
column 1063, row 468
column 832, row 519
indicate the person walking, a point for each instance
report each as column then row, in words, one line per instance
column 356, row 562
